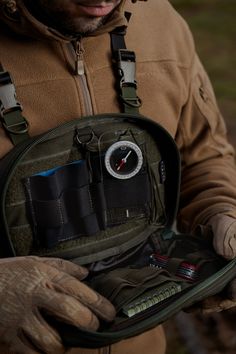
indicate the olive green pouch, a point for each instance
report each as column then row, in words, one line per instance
column 133, row 258
column 146, row 297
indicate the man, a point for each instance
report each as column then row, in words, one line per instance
column 58, row 53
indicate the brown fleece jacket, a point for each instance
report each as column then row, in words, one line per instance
column 172, row 84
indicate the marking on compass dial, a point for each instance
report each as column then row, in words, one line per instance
column 123, row 159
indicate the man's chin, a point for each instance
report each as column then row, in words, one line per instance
column 82, row 26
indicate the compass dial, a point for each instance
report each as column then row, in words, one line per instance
column 123, row 159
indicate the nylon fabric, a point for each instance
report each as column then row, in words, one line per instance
column 123, row 285
column 50, row 202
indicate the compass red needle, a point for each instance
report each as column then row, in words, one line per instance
column 120, row 165
column 123, row 161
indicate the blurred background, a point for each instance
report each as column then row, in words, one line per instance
column 213, row 24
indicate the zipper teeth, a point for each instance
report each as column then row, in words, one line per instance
column 207, row 284
column 112, row 337
column 76, row 52
column 3, row 188
column 86, row 95
column 195, row 291
column 16, row 155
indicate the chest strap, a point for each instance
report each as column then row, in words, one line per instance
column 125, row 66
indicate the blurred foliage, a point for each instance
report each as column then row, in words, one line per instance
column 189, row 3
column 213, row 26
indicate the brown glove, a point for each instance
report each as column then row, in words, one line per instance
column 224, row 231
column 31, row 284
column 224, row 242
column 217, row 303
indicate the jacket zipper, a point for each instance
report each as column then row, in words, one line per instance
column 77, row 55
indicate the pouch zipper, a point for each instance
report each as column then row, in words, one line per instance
column 15, row 155
column 206, row 288
column 203, row 289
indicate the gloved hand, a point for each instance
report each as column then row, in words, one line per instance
column 224, row 242
column 224, row 231
column 31, row 284
column 216, row 303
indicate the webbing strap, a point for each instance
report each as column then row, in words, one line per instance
column 60, row 204
column 51, row 236
column 72, row 204
column 15, row 125
column 126, row 67
column 64, row 204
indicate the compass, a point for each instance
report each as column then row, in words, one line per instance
column 123, row 159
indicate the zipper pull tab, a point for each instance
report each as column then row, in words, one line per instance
column 79, row 61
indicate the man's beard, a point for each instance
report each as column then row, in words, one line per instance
column 81, row 26
column 47, row 12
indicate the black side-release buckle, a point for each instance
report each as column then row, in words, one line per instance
column 127, row 68
column 125, row 61
column 8, row 100
column 10, row 110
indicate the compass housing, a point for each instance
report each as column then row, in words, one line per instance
column 123, row 159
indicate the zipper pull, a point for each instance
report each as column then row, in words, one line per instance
column 79, row 60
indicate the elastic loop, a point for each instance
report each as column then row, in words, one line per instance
column 23, row 130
